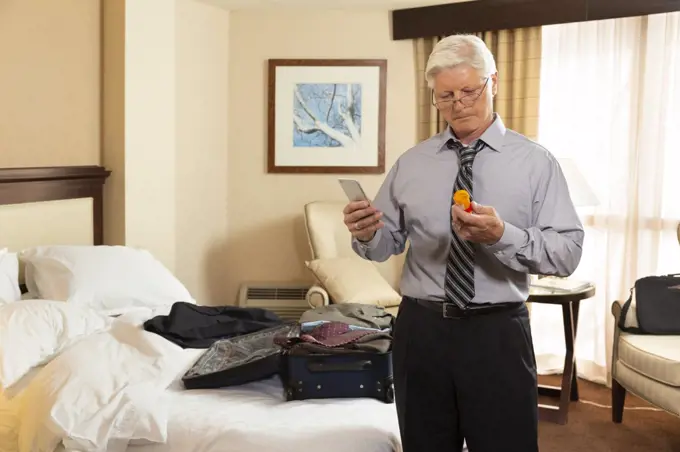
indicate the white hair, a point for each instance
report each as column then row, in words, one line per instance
column 459, row 49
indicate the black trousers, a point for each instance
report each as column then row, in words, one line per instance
column 472, row 378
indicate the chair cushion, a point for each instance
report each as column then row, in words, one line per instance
column 657, row 357
column 329, row 238
column 353, row 280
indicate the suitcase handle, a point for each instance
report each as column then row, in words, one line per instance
column 320, row 366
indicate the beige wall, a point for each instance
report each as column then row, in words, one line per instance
column 150, row 127
column 184, row 122
column 113, row 118
column 165, row 135
column 266, row 238
column 49, row 82
column 202, row 118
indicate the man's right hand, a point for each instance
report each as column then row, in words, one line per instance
column 362, row 220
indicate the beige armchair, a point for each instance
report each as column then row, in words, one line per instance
column 342, row 276
column 647, row 366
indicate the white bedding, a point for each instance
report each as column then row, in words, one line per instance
column 248, row 418
column 256, row 418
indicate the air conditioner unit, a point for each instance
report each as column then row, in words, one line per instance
column 287, row 300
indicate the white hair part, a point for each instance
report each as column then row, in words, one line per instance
column 455, row 50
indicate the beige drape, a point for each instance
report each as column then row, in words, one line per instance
column 518, row 58
column 429, row 121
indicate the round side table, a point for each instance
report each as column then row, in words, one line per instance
column 568, row 391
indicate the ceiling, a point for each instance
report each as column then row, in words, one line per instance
column 325, row 4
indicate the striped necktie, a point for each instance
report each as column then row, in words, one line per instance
column 460, row 266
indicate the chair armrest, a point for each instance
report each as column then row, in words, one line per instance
column 617, row 306
column 317, row 296
column 616, row 312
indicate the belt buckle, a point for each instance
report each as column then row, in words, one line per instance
column 446, row 314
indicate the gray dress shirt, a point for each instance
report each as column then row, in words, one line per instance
column 519, row 178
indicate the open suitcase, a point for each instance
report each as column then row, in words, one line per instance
column 345, row 375
column 239, row 360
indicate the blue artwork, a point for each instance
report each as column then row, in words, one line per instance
column 327, row 115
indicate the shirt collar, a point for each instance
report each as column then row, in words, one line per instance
column 493, row 136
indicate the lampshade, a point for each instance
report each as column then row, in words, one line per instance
column 579, row 189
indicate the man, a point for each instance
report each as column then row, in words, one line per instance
column 464, row 366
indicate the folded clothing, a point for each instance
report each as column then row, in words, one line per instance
column 307, row 326
column 356, row 314
column 335, row 338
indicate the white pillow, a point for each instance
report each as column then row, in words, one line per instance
column 9, row 277
column 111, row 279
column 33, row 331
column 102, row 393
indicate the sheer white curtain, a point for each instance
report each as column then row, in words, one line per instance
column 610, row 100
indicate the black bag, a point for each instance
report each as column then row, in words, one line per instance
column 657, row 303
column 342, row 375
column 239, row 360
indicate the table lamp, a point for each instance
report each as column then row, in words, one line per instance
column 579, row 189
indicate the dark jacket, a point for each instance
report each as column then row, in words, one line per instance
column 192, row 326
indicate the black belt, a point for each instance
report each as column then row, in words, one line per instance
column 452, row 311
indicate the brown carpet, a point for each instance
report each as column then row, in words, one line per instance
column 590, row 428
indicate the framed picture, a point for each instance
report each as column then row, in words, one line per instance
column 326, row 116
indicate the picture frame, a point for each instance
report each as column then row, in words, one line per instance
column 326, row 116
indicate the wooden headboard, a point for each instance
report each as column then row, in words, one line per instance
column 32, row 185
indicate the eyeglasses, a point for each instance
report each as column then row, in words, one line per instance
column 467, row 101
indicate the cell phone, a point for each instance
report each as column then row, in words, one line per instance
column 353, row 190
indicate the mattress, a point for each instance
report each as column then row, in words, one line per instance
column 256, row 418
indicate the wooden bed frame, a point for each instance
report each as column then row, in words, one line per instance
column 29, row 185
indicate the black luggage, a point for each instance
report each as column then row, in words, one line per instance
column 342, row 375
column 657, row 304
column 239, row 360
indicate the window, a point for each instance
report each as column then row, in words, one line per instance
column 610, row 100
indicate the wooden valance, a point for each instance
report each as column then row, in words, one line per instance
column 485, row 15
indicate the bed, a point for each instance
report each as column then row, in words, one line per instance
column 88, row 376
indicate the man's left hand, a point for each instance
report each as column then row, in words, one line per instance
column 482, row 225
